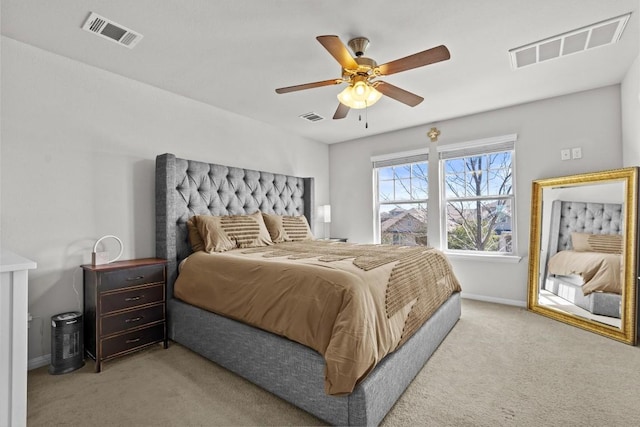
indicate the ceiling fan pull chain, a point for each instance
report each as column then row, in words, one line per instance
column 366, row 116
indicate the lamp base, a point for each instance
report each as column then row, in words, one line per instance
column 99, row 258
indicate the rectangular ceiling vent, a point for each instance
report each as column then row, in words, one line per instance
column 312, row 117
column 599, row 34
column 109, row 30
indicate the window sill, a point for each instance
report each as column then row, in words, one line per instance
column 511, row 259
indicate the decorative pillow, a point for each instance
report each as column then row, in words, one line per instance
column 194, row 236
column 275, row 227
column 287, row 228
column 222, row 233
column 606, row 243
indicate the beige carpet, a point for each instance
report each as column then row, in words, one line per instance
column 500, row 365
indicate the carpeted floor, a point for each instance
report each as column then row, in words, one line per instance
column 500, row 365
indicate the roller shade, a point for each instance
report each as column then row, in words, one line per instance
column 384, row 161
column 479, row 147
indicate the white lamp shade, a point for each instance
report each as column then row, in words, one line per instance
column 324, row 212
column 358, row 96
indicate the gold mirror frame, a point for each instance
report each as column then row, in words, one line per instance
column 627, row 332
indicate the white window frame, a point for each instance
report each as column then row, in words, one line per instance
column 470, row 148
column 395, row 159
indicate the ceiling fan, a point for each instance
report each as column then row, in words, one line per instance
column 361, row 74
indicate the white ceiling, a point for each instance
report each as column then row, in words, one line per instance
column 233, row 54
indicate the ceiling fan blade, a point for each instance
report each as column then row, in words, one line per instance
column 420, row 59
column 398, row 94
column 339, row 51
column 341, row 112
column 308, row 86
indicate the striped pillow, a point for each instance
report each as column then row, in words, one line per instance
column 605, row 243
column 287, row 228
column 222, row 233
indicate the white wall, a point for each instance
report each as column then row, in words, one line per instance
column 630, row 97
column 590, row 120
column 78, row 162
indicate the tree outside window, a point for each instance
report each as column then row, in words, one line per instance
column 478, row 195
column 402, row 203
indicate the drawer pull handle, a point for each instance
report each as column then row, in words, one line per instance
column 133, row 340
column 135, row 278
column 134, row 319
column 134, row 298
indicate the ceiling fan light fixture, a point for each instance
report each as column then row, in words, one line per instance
column 360, row 90
column 373, row 96
column 359, row 95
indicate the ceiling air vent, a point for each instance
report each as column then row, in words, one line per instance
column 599, row 34
column 312, row 117
column 109, row 30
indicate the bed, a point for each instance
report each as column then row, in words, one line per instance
column 585, row 255
column 292, row 371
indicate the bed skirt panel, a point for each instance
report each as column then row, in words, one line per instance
column 376, row 395
column 296, row 373
column 601, row 303
column 285, row 368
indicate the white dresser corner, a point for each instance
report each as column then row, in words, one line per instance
column 14, row 272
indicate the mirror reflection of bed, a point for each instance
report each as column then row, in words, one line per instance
column 583, row 251
column 551, row 300
column 583, row 265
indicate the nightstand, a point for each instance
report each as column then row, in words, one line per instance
column 124, row 307
column 334, row 239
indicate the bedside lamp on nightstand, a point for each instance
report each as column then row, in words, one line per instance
column 101, row 258
column 325, row 216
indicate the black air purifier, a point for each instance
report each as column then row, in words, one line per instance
column 67, row 349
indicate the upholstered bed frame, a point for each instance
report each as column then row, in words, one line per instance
column 289, row 370
column 591, row 218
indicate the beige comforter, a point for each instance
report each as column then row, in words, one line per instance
column 599, row 271
column 353, row 304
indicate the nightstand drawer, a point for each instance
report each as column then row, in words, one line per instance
column 132, row 277
column 130, row 298
column 131, row 319
column 132, row 340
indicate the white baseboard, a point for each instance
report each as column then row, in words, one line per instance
column 495, row 300
column 39, row 362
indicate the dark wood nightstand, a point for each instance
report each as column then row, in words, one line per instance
column 124, row 307
column 333, row 239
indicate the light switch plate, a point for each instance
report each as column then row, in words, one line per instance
column 565, row 154
column 576, row 153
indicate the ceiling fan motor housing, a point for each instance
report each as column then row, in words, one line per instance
column 365, row 64
column 366, row 67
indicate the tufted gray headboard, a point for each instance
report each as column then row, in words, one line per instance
column 591, row 218
column 185, row 188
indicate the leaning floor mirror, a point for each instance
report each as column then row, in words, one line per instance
column 583, row 251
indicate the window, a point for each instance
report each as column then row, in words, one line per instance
column 473, row 198
column 402, row 188
column 478, row 198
